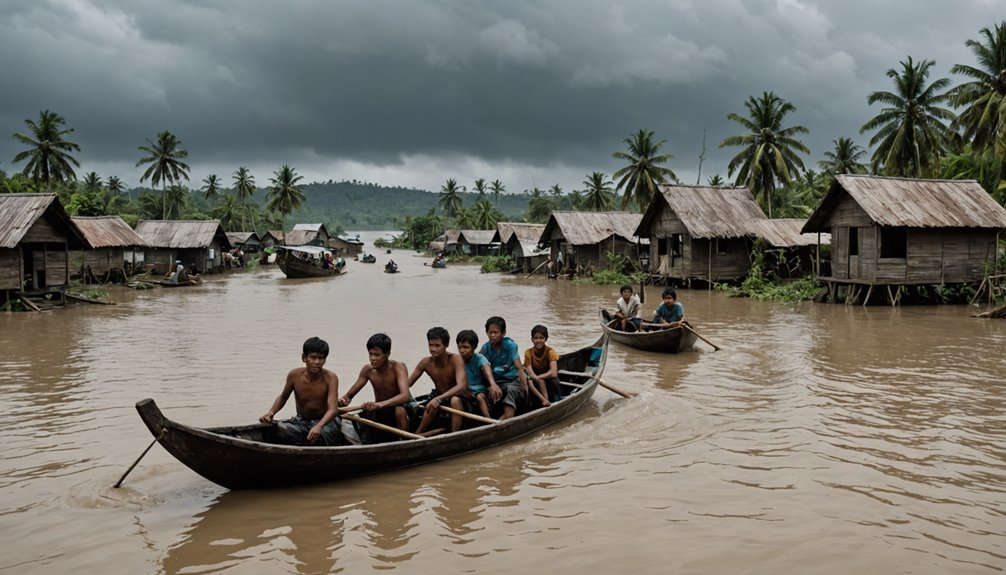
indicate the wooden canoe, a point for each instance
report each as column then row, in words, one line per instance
column 669, row 340
column 243, row 457
column 299, row 262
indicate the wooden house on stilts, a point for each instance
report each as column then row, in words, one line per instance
column 114, row 249
column 519, row 241
column 579, row 241
column 193, row 242
column 36, row 236
column 890, row 235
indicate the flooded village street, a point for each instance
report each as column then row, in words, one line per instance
column 822, row 439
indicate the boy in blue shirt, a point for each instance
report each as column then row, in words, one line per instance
column 670, row 313
column 504, row 357
column 479, row 374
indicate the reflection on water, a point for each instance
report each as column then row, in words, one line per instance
column 822, row 438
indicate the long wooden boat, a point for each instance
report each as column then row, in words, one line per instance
column 244, row 457
column 304, row 262
column 668, row 340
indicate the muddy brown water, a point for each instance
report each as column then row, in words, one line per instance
column 821, row 439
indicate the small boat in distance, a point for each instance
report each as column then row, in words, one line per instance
column 308, row 261
column 666, row 340
column 368, row 258
column 248, row 457
column 391, row 267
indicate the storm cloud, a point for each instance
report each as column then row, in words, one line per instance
column 412, row 93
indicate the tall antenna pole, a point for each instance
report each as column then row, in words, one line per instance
column 702, row 158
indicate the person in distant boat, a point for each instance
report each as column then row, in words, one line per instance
column 482, row 391
column 447, row 371
column 627, row 313
column 316, row 392
column 540, row 363
column 504, row 357
column 390, row 381
column 670, row 313
column 391, row 266
column 176, row 276
column 327, row 262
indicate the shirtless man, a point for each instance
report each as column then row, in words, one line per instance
column 390, row 381
column 315, row 391
column 448, row 374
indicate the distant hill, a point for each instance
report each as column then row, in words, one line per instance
column 365, row 206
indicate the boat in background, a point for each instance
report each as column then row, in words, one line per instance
column 307, row 261
column 665, row 340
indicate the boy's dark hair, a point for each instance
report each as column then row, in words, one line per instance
column 381, row 341
column 438, row 333
column 467, row 336
column 669, row 292
column 316, row 345
column 624, row 287
column 498, row 322
column 539, row 329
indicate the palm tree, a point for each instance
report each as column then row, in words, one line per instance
column 844, row 158
column 285, row 196
column 166, row 165
column 465, row 219
column 497, row 187
column 911, row 130
column 480, row 187
column 244, row 187
column 211, row 187
column 48, row 152
column 92, row 183
column 485, row 215
column 228, row 210
column 598, row 196
column 644, row 173
column 716, row 181
column 450, row 198
column 115, row 187
column 983, row 120
column 175, row 199
column 769, row 151
column 539, row 207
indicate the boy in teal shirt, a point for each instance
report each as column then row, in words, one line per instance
column 504, row 357
column 478, row 372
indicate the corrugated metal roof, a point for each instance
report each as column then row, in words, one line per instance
column 19, row 212
column 107, row 232
column 707, row 212
column 590, row 228
column 180, row 234
column 308, row 227
column 785, row 233
column 477, row 237
column 913, row 203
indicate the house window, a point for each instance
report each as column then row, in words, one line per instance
column 894, row 242
column 853, row 241
column 676, row 245
column 662, row 244
column 722, row 246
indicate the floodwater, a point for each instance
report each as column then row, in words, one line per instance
column 821, row 439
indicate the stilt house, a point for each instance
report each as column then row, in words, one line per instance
column 114, row 251
column 36, row 236
column 272, row 238
column 519, row 241
column 346, row 246
column 579, row 241
column 308, row 235
column 249, row 242
column 476, row 242
column 199, row 242
column 891, row 233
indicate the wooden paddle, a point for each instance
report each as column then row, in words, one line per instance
column 471, row 416
column 123, row 478
column 604, row 384
column 699, row 335
column 381, row 426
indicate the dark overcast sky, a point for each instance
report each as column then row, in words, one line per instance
column 411, row 93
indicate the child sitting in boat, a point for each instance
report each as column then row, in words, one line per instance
column 390, row 381
column 482, row 389
column 670, row 313
column 628, row 310
column 504, row 357
column 315, row 391
column 447, row 370
column 540, row 362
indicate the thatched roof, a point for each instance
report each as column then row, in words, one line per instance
column 451, row 236
column 277, row 235
column 912, row 203
column 181, row 234
column 302, row 234
column 785, row 233
column 525, row 232
column 705, row 211
column 107, row 232
column 236, row 238
column 476, row 237
column 590, row 228
column 19, row 212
